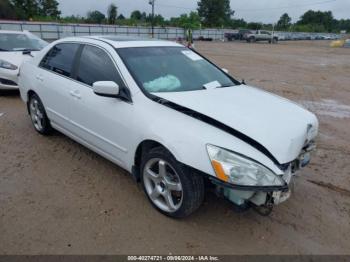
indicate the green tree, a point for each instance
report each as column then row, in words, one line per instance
column 343, row 24
column 268, row 27
column 7, row 11
column 238, row 23
column 284, row 22
column 317, row 20
column 121, row 17
column 215, row 13
column 72, row 19
column 25, row 9
column 136, row 15
column 112, row 14
column 303, row 28
column 49, row 8
column 254, row 26
column 158, row 20
column 143, row 16
column 95, row 17
column 191, row 21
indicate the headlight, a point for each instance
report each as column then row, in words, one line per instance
column 7, row 65
column 238, row 170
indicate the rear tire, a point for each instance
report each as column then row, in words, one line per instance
column 170, row 186
column 38, row 115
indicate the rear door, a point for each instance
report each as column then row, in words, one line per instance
column 102, row 122
column 54, row 79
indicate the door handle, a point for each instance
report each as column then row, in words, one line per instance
column 75, row 94
column 40, row 78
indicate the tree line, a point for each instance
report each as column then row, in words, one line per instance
column 209, row 14
column 29, row 9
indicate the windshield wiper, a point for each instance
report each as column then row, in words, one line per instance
column 27, row 52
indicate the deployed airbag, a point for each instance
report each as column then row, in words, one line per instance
column 166, row 83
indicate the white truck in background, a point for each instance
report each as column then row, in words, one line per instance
column 261, row 35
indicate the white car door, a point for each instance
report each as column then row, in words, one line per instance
column 105, row 123
column 53, row 78
column 267, row 35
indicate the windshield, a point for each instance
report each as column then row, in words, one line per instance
column 172, row 69
column 20, row 42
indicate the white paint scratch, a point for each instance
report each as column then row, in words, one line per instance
column 1, row 114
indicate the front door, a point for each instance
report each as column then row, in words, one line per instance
column 102, row 122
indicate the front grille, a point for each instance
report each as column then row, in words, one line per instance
column 7, row 82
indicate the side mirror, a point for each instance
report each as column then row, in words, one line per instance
column 106, row 88
column 225, row 70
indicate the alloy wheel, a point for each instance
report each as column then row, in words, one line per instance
column 36, row 114
column 163, row 185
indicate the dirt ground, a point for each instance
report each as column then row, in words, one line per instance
column 57, row 197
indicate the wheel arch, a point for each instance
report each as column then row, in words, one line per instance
column 145, row 146
column 29, row 95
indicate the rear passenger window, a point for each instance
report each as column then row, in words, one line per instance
column 95, row 65
column 60, row 59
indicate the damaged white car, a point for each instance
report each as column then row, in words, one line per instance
column 174, row 120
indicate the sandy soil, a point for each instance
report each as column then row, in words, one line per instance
column 56, row 197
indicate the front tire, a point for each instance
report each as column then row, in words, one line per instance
column 251, row 39
column 38, row 115
column 169, row 185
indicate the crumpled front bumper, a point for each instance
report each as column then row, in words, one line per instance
column 263, row 195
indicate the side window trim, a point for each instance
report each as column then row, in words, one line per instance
column 76, row 62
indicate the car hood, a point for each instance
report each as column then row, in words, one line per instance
column 281, row 126
column 16, row 58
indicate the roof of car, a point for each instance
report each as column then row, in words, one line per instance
column 119, row 38
column 120, row 41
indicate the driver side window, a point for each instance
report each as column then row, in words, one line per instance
column 96, row 65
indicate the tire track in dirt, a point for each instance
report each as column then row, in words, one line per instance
column 330, row 186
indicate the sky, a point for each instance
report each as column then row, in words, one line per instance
column 266, row 11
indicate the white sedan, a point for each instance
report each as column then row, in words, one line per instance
column 173, row 119
column 16, row 47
